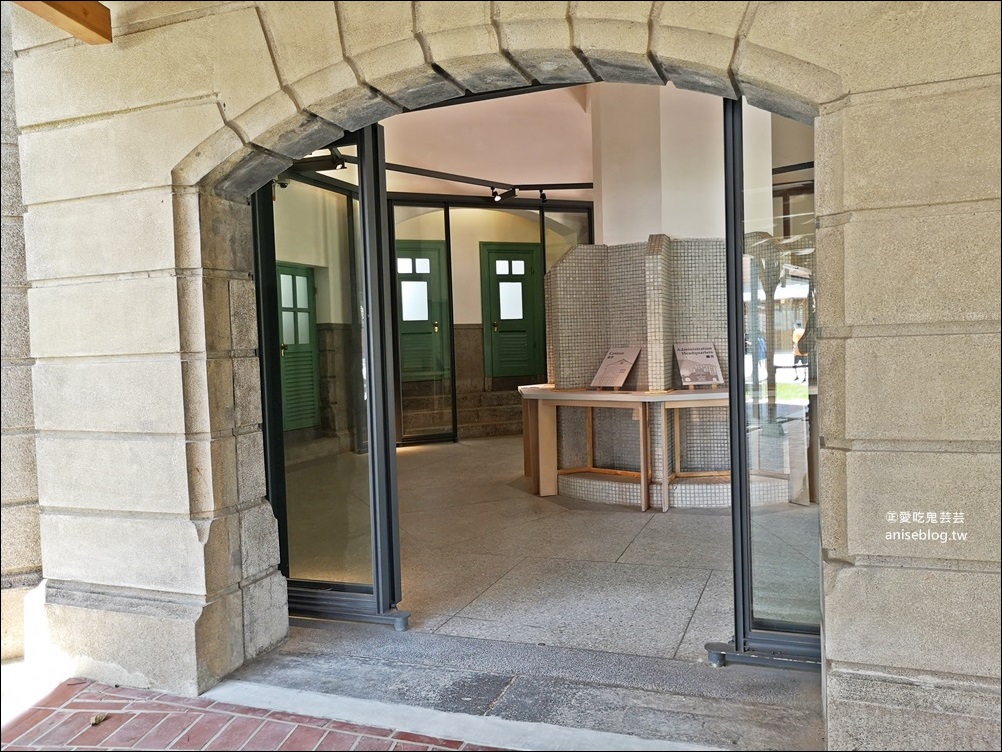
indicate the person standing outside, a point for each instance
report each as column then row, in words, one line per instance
column 799, row 358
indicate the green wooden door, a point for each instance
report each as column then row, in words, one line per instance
column 300, row 354
column 423, row 310
column 512, row 299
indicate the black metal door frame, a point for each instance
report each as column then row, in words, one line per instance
column 755, row 641
column 322, row 599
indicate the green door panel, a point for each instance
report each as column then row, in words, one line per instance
column 512, row 300
column 423, row 310
column 297, row 328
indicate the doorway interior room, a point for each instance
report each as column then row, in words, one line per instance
column 414, row 275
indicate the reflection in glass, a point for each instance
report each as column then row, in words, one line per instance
column 327, row 465
column 564, row 230
column 423, row 326
column 511, row 300
column 414, row 301
column 303, row 329
column 780, row 370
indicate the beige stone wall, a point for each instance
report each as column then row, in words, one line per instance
column 120, row 145
column 22, row 564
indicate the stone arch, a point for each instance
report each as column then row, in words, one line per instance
column 420, row 54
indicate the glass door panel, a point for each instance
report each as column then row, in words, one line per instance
column 780, row 372
column 322, row 310
column 423, row 324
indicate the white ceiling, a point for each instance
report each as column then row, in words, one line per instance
column 541, row 137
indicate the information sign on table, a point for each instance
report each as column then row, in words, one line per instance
column 698, row 364
column 616, row 367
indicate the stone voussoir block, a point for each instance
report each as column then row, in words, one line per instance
column 462, row 40
column 304, row 36
column 614, row 37
column 693, row 44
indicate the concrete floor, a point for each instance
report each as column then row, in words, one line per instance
column 559, row 611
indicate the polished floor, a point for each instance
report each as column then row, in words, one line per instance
column 548, row 611
column 482, row 557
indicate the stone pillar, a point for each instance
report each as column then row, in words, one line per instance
column 160, row 553
column 22, row 563
column 908, row 274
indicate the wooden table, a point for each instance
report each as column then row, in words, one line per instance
column 539, row 431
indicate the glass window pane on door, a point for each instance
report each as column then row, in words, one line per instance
column 304, row 327
column 780, row 367
column 425, row 387
column 328, row 514
column 302, row 295
column 404, row 266
column 511, row 300
column 518, row 267
column 414, row 299
column 501, row 267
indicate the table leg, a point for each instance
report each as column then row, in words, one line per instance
column 530, row 441
column 645, row 458
column 547, row 438
column 665, row 474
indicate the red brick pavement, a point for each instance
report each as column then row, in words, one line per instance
column 80, row 714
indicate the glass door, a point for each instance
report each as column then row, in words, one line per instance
column 769, row 170
column 425, row 362
column 323, row 271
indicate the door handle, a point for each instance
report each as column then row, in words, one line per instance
column 435, row 327
column 495, row 326
column 284, row 348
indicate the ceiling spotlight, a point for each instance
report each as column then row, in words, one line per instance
column 494, row 194
column 510, row 193
column 542, row 197
column 338, row 158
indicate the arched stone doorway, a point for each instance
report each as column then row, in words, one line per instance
column 182, row 156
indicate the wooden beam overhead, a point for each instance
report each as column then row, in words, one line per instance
column 89, row 22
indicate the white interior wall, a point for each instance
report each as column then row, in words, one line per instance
column 627, row 172
column 757, row 126
column 311, row 229
column 692, row 164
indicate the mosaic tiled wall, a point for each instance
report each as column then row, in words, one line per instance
column 649, row 295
